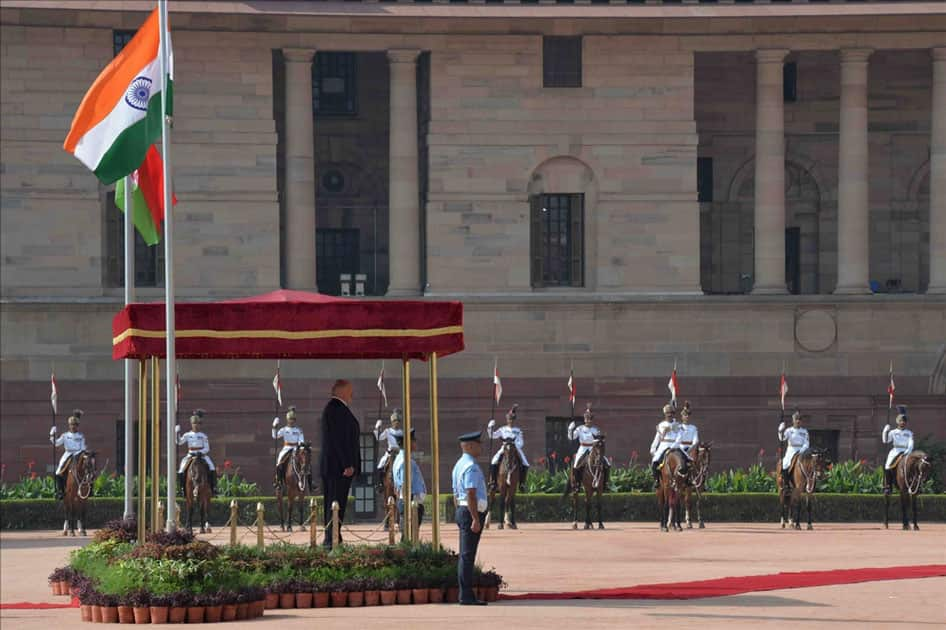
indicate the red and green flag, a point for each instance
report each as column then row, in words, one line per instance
column 148, row 197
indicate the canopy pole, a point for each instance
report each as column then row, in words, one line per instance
column 155, row 441
column 435, row 451
column 142, row 463
column 406, row 487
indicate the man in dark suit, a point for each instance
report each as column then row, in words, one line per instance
column 340, row 459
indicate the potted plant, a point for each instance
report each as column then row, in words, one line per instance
column 320, row 594
column 287, row 594
column 356, row 592
column 339, row 598
column 229, row 608
column 109, row 608
column 372, row 591
column 126, row 614
column 272, row 596
column 86, row 600
column 159, row 608
column 139, row 600
column 388, row 590
column 58, row 581
column 403, row 586
column 303, row 593
column 213, row 609
column 491, row 582
column 196, row 608
column 243, row 605
column 177, row 612
column 437, row 585
column 257, row 601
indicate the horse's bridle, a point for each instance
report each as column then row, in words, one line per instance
column 510, row 459
column 302, row 477
column 700, row 478
column 88, row 473
column 913, row 485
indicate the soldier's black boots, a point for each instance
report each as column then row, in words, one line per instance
column 786, row 480
column 493, row 474
column 522, row 478
column 280, row 475
column 213, row 483
column 60, row 487
column 889, row 480
column 181, row 483
column 655, row 468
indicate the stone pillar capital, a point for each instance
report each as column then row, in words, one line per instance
column 771, row 55
column 403, row 55
column 938, row 53
column 856, row 55
column 298, row 55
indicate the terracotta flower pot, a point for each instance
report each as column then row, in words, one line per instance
column 303, row 600
column 356, row 599
column 492, row 593
column 177, row 614
column 86, row 611
column 212, row 614
column 272, row 600
column 243, row 611
column 55, row 588
column 320, row 599
column 403, row 596
column 126, row 614
column 229, row 612
column 142, row 614
column 388, row 598
column 256, row 608
column 435, row 595
column 159, row 614
column 453, row 594
column 109, row 614
column 287, row 600
column 372, row 598
column 96, row 614
column 478, row 590
column 339, row 599
column 195, row 614
column 420, row 595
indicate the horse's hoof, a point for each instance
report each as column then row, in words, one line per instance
column 65, row 532
column 302, row 528
column 689, row 525
column 663, row 528
column 906, row 528
column 783, row 525
column 499, row 526
column 809, row 528
column 574, row 525
column 702, row 525
column 600, row 525
column 798, row 526
column 588, row 526
column 209, row 531
column 73, row 533
column 203, row 530
column 886, row 526
column 916, row 528
column 513, row 526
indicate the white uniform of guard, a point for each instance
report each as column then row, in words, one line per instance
column 291, row 436
column 902, row 440
column 197, row 442
column 586, row 439
column 797, row 439
column 689, row 438
column 505, row 433
column 667, row 437
column 73, row 443
column 389, row 435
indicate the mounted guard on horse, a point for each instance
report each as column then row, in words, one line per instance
column 511, row 434
column 74, row 474
column 198, row 447
column 293, row 439
column 698, row 455
column 905, row 468
column 392, row 436
column 667, row 438
column 73, row 444
column 591, row 468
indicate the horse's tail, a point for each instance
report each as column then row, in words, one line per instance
column 568, row 483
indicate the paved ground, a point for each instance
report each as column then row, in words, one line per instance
column 548, row 557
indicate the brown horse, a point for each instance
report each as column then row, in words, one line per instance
column 197, row 490
column 672, row 482
column 696, row 482
column 388, row 491
column 807, row 468
column 80, row 473
column 294, row 485
column 912, row 471
column 507, row 482
column 591, row 474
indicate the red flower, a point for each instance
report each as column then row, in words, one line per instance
column 552, row 455
column 567, row 459
column 33, row 475
column 542, row 461
column 633, row 455
column 31, row 463
column 227, row 464
column 761, row 452
column 863, row 462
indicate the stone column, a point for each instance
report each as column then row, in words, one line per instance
column 403, row 190
column 769, row 174
column 300, row 171
column 853, row 210
column 938, row 175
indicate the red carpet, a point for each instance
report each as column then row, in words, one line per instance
column 39, row 605
column 746, row 584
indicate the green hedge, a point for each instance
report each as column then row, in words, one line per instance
column 48, row 513
column 747, row 507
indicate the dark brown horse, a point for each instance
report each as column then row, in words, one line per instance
column 912, row 471
column 388, row 491
column 672, row 482
column 591, row 474
column 808, row 467
column 696, row 482
column 80, row 473
column 197, row 490
column 507, row 483
column 294, row 485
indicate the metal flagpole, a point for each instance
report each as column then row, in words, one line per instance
column 129, row 363
column 890, row 390
column 435, row 450
column 54, row 402
column 406, row 487
column 170, row 362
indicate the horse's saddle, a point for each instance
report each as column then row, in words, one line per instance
column 896, row 461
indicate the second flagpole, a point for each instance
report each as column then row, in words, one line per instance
column 130, row 367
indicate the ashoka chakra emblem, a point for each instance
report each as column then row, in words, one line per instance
column 138, row 93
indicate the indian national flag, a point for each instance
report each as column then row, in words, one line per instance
column 120, row 116
column 148, row 196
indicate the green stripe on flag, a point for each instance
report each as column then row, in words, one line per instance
column 144, row 223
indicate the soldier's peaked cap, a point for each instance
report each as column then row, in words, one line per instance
column 902, row 412
column 473, row 436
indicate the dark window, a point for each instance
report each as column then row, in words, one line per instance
column 363, row 490
column 149, row 261
column 120, row 447
column 336, row 253
column 557, row 444
column 561, row 62
column 120, row 39
column 704, row 179
column 793, row 260
column 334, row 84
column 826, row 439
column 790, row 82
column 557, row 258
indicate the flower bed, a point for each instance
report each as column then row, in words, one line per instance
column 173, row 577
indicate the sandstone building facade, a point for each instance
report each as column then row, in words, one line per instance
column 608, row 187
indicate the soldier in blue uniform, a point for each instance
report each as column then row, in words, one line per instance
column 469, row 494
column 418, row 487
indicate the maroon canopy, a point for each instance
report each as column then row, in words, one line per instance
column 292, row 325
